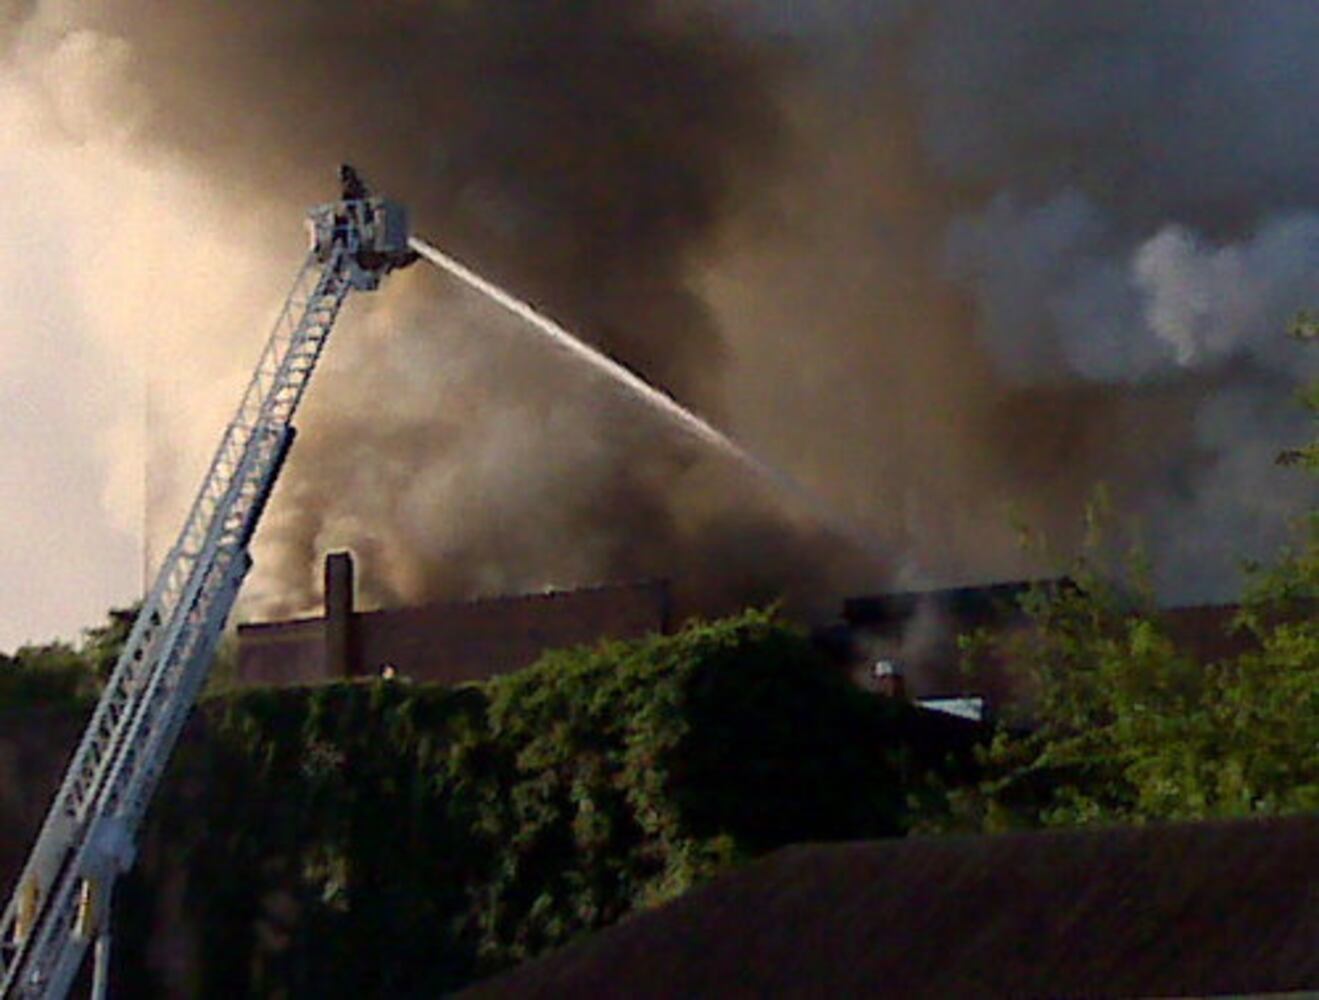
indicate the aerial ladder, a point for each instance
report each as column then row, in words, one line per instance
column 61, row 903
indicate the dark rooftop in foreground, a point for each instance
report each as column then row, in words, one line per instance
column 1189, row 909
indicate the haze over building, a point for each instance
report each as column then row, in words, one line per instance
column 950, row 265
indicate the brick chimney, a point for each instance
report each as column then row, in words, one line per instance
column 339, row 660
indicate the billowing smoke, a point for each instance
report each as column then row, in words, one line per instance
column 1146, row 222
column 1043, row 245
column 578, row 152
column 581, row 155
column 952, row 264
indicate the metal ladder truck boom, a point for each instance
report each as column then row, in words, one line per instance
column 61, row 903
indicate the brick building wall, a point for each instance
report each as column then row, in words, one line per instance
column 447, row 642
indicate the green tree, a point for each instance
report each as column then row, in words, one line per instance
column 642, row 768
column 51, row 674
column 370, row 837
column 59, row 673
column 102, row 644
column 1123, row 725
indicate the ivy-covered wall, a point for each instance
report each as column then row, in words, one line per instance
column 377, row 838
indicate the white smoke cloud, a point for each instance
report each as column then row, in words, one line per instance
column 1059, row 297
column 1213, row 302
column 1052, row 302
column 1158, row 156
column 1125, row 193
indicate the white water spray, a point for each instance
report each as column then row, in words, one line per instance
column 699, row 428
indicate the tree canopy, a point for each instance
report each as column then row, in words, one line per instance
column 382, row 836
column 1125, row 725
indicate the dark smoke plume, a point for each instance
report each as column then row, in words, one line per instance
column 577, row 151
column 1044, row 245
column 951, row 263
column 581, row 153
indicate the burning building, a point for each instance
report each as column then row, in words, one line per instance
column 903, row 644
column 447, row 642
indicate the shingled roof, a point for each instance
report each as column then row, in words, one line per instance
column 1190, row 909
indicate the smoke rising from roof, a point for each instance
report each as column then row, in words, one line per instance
column 946, row 262
column 1058, row 244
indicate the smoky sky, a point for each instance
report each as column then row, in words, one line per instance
column 581, row 153
column 576, row 150
column 951, row 265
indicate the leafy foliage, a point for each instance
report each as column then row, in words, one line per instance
column 1126, row 726
column 325, row 842
column 378, row 837
column 101, row 644
column 52, row 674
column 59, row 673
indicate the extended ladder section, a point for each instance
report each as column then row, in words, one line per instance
column 61, row 903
